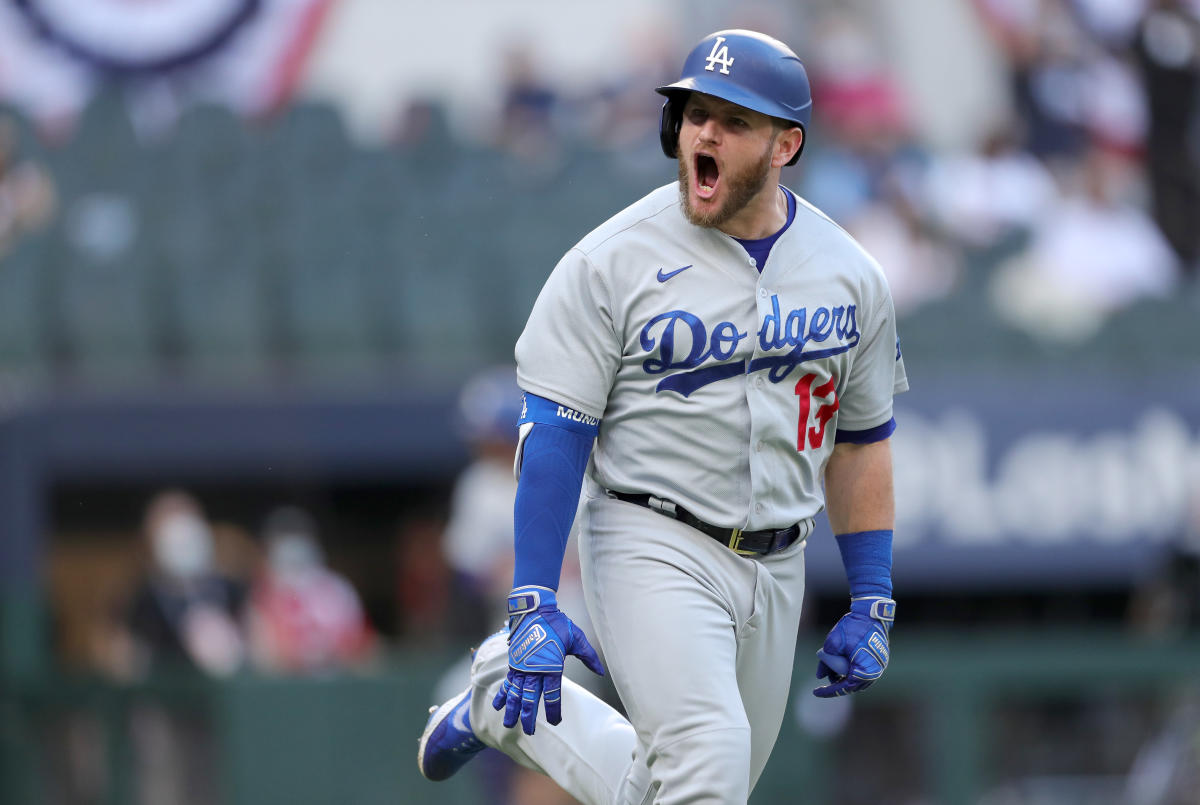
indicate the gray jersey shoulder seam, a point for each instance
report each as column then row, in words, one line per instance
column 847, row 239
column 595, row 269
column 643, row 219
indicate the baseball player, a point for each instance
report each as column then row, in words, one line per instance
column 726, row 348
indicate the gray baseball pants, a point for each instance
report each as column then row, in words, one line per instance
column 699, row 643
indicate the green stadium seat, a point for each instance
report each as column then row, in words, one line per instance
column 431, row 305
column 106, row 314
column 104, row 154
column 1149, row 333
column 219, row 319
column 321, row 275
column 963, row 330
column 23, row 343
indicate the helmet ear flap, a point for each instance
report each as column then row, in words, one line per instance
column 668, row 126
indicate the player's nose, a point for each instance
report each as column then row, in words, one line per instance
column 709, row 132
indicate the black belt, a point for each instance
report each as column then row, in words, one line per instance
column 746, row 543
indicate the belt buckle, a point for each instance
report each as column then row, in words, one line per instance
column 662, row 506
column 735, row 541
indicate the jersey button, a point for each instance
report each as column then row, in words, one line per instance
column 762, row 293
column 759, row 382
column 758, row 508
column 758, row 448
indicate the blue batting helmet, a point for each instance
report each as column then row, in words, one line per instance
column 489, row 405
column 743, row 67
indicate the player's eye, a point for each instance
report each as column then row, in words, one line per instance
column 697, row 116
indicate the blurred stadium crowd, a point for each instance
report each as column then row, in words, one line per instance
column 279, row 250
column 280, row 247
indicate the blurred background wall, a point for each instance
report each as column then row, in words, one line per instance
column 262, row 266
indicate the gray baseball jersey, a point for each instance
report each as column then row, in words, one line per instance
column 718, row 387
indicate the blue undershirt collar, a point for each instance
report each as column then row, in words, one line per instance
column 760, row 248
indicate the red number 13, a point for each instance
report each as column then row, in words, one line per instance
column 814, row 436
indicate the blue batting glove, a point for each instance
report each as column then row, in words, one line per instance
column 539, row 639
column 855, row 652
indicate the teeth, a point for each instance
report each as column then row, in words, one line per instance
column 705, row 188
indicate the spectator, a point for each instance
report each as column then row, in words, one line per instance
column 478, row 544
column 1166, row 604
column 478, row 537
column 528, row 126
column 303, row 617
column 1111, row 22
column 619, row 113
column 1167, row 48
column 985, row 197
column 27, row 196
column 184, row 612
column 869, row 147
column 864, row 173
column 427, row 608
column 1092, row 254
column 858, row 94
column 920, row 267
column 183, row 615
column 421, row 123
column 1043, row 46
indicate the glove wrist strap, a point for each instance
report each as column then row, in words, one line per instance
column 525, row 600
column 880, row 608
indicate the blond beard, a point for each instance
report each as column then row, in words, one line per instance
column 741, row 190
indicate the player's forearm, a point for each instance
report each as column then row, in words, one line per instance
column 552, row 465
column 858, row 487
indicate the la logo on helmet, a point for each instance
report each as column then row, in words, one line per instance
column 719, row 55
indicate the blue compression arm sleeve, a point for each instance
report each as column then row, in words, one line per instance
column 553, row 460
column 867, row 557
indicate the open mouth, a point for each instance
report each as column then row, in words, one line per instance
column 707, row 176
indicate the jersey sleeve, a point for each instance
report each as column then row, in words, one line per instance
column 876, row 375
column 569, row 351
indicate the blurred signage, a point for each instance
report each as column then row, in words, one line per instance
column 1131, row 481
column 138, row 37
column 247, row 54
column 1006, row 480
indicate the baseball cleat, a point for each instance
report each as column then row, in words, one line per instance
column 448, row 741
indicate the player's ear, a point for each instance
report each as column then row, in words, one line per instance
column 787, row 145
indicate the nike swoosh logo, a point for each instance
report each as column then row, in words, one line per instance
column 663, row 277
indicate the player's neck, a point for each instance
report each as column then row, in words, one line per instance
column 762, row 217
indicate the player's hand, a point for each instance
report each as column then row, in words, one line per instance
column 855, row 652
column 539, row 639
